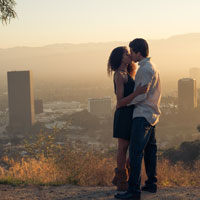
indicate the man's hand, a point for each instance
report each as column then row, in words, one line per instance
column 142, row 89
column 139, row 90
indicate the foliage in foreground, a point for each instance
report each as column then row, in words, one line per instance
column 49, row 163
column 7, row 11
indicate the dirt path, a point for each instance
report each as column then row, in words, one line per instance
column 68, row 192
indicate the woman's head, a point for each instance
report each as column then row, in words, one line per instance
column 118, row 56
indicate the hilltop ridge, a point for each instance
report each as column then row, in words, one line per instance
column 68, row 192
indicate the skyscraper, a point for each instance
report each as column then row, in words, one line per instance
column 187, row 94
column 20, row 100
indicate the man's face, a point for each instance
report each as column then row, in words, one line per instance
column 134, row 56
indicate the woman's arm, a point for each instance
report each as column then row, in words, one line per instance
column 121, row 100
column 126, row 100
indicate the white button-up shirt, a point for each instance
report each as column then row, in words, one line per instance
column 147, row 105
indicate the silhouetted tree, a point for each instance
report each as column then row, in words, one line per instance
column 7, row 11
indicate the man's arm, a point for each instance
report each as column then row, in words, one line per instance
column 144, row 77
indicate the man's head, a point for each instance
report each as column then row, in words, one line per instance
column 139, row 49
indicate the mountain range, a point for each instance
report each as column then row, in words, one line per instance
column 70, row 62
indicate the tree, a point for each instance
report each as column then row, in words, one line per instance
column 7, row 11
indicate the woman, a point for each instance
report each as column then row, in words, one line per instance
column 124, row 71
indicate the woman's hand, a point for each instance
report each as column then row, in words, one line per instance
column 142, row 89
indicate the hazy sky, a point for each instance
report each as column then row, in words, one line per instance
column 42, row 22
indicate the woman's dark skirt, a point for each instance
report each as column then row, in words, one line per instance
column 123, row 122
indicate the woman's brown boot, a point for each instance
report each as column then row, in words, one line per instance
column 115, row 179
column 120, row 179
column 122, row 184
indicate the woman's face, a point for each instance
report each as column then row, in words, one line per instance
column 126, row 58
column 134, row 56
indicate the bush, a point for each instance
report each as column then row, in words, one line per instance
column 187, row 152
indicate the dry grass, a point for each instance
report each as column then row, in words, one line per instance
column 87, row 169
column 52, row 164
column 178, row 175
column 79, row 170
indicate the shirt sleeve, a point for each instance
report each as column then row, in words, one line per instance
column 143, row 77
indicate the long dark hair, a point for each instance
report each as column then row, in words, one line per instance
column 115, row 59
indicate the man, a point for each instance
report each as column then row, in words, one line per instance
column 145, row 117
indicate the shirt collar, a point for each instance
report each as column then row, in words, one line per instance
column 143, row 61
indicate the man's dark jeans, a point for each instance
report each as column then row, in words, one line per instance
column 143, row 142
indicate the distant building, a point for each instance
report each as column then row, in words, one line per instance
column 195, row 73
column 100, row 106
column 38, row 106
column 187, row 94
column 20, row 100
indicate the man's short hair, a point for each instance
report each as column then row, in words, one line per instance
column 140, row 45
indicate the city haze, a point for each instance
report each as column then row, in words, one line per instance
column 87, row 62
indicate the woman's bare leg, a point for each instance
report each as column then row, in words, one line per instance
column 121, row 153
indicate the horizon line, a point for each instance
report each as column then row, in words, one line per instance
column 86, row 43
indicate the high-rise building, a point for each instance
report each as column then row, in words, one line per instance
column 20, row 100
column 187, row 94
column 100, row 106
column 38, row 106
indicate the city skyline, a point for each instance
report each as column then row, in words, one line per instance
column 98, row 21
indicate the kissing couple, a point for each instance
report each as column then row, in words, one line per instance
column 137, row 112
